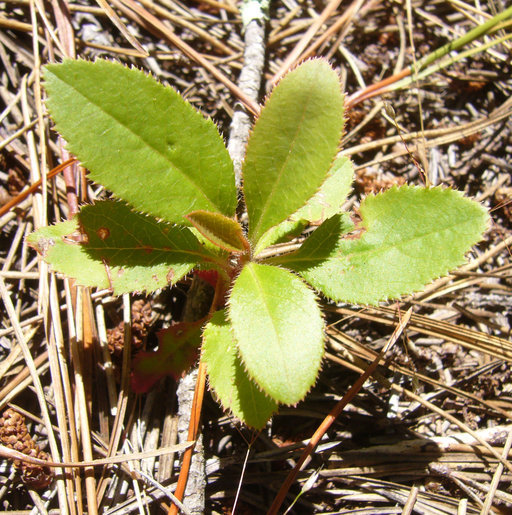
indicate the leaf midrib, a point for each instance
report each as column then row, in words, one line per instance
column 148, row 144
column 147, row 249
column 263, row 296
column 373, row 250
column 283, row 167
column 142, row 247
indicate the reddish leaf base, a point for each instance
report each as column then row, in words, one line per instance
column 210, row 276
column 178, row 349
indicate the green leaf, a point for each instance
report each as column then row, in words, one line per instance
column 292, row 146
column 331, row 196
column 323, row 244
column 281, row 233
column 223, row 232
column 228, row 378
column 412, row 236
column 141, row 140
column 326, row 202
column 121, row 249
column 178, row 349
column 279, row 330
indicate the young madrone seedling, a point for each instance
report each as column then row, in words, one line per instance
column 173, row 211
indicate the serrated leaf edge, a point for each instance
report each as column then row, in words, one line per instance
column 362, row 227
column 342, row 131
column 212, row 388
column 249, row 374
column 207, row 119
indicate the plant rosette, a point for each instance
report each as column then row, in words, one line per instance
column 173, row 211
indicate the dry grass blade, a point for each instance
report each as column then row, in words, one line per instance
column 360, row 351
column 8, row 206
column 100, row 462
column 335, row 412
column 34, row 375
column 122, row 27
column 134, row 10
column 471, row 339
column 486, row 508
column 190, row 25
column 436, row 137
column 294, row 56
